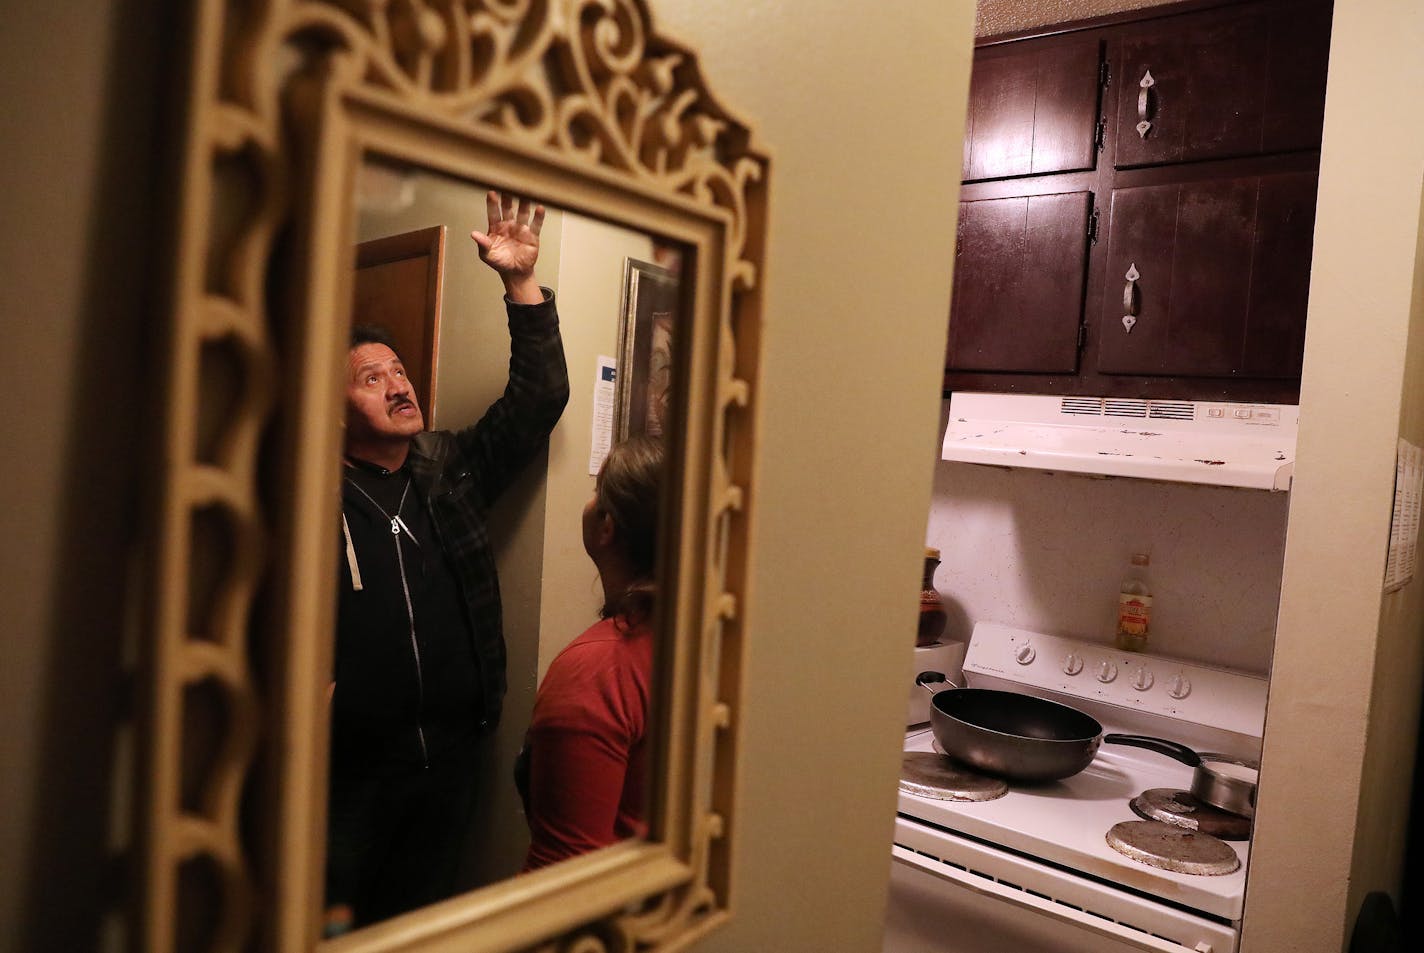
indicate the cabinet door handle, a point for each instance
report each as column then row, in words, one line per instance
column 1129, row 298
column 1144, row 103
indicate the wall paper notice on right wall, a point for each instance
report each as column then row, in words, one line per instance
column 1404, row 522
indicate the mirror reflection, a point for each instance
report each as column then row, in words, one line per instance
column 506, row 389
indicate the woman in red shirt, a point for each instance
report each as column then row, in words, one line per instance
column 586, row 747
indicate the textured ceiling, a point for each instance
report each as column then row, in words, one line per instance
column 993, row 17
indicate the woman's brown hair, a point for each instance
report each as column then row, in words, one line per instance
column 627, row 491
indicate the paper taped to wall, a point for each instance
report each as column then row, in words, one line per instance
column 603, row 381
column 1404, row 523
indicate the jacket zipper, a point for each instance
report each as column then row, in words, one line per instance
column 397, row 524
column 414, row 644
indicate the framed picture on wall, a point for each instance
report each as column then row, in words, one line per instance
column 644, row 376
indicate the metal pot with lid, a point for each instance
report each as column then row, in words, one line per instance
column 1217, row 779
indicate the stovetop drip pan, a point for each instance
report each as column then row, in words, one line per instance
column 933, row 775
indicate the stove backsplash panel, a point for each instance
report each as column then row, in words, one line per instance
column 1048, row 551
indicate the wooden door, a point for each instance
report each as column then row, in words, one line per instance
column 399, row 281
column 1214, row 274
column 1033, row 109
column 1018, row 284
column 1222, row 84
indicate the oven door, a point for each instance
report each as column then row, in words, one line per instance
column 953, row 895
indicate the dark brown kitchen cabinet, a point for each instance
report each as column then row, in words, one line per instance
column 1018, row 283
column 1208, row 278
column 1033, row 110
column 1227, row 83
column 1197, row 227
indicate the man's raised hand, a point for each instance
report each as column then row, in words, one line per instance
column 511, row 244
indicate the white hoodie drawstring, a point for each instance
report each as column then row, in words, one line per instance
column 351, row 556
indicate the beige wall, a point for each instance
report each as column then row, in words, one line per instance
column 590, row 289
column 81, row 188
column 862, row 107
column 1341, row 726
column 1397, row 687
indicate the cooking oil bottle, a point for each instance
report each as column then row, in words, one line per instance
column 1134, row 607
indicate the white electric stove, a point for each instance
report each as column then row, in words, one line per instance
column 1033, row 868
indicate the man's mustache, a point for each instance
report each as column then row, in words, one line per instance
column 398, row 403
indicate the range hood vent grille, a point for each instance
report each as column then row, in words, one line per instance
column 1123, row 407
column 1172, row 410
column 1085, row 406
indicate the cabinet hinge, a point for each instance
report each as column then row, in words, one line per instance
column 1100, row 137
column 1104, row 74
column 1082, row 336
column 1093, row 227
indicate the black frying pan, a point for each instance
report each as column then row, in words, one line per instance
column 1013, row 736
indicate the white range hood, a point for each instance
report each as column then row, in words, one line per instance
column 1217, row 443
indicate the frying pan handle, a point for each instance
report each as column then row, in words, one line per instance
column 1160, row 745
column 933, row 682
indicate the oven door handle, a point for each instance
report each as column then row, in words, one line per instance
column 1027, row 901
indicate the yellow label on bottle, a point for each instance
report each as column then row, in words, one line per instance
column 1132, row 613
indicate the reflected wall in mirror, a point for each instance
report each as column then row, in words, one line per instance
column 425, row 800
column 581, row 104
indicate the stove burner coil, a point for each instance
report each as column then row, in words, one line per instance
column 937, row 776
column 1186, row 810
column 1177, row 849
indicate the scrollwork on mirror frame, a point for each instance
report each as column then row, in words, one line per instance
column 586, row 84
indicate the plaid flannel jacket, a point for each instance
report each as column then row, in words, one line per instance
column 462, row 473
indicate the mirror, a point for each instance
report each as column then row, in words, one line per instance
column 423, row 802
column 585, row 107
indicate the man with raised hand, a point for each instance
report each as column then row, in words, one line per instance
column 420, row 655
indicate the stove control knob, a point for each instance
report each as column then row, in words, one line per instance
column 1179, row 686
column 1024, row 654
column 1142, row 679
column 1107, row 672
column 1072, row 664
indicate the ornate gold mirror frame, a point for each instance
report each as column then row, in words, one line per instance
column 581, row 105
